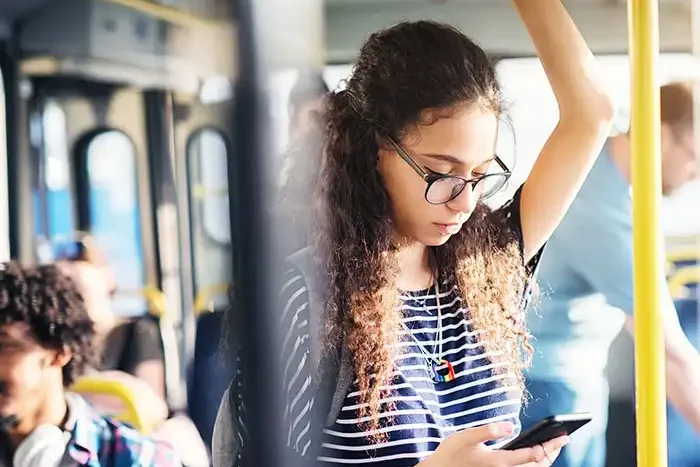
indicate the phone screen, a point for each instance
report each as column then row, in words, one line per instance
column 549, row 428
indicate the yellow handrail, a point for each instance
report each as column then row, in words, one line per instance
column 684, row 254
column 157, row 303
column 155, row 299
column 677, row 255
column 164, row 13
column 684, row 276
column 648, row 260
column 98, row 386
column 203, row 299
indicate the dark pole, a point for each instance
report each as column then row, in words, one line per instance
column 272, row 36
column 18, row 155
column 252, row 257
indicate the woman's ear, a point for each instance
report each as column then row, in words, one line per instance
column 383, row 153
column 384, row 150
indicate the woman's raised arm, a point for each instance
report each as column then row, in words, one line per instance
column 586, row 112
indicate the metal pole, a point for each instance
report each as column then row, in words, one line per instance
column 248, row 200
column 695, row 37
column 271, row 36
column 648, row 260
column 4, row 188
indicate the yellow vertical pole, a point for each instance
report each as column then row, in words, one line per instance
column 648, row 262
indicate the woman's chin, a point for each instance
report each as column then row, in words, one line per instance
column 435, row 239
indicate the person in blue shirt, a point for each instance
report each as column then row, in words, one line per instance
column 586, row 291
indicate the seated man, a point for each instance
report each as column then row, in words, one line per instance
column 46, row 341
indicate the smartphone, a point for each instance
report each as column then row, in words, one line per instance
column 549, row 428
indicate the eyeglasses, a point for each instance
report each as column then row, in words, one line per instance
column 442, row 188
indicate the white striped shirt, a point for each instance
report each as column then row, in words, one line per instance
column 424, row 412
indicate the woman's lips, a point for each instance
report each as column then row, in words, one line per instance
column 448, row 229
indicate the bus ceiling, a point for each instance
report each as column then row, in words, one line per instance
column 148, row 44
column 495, row 25
column 135, row 42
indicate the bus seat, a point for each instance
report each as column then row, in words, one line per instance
column 115, row 398
column 210, row 375
column 204, row 301
column 119, row 340
column 684, row 282
column 682, row 257
column 683, row 441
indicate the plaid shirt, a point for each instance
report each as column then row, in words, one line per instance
column 99, row 441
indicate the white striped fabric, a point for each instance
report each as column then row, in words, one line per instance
column 424, row 412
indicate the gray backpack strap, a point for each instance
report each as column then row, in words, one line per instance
column 332, row 388
column 332, row 393
column 304, row 262
column 225, row 437
column 342, row 387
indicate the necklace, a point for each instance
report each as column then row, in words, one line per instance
column 439, row 368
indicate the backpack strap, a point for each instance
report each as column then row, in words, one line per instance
column 333, row 386
column 333, row 376
column 342, row 387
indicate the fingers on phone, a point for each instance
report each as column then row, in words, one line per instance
column 536, row 453
column 556, row 443
column 486, row 433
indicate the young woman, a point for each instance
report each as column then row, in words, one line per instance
column 421, row 282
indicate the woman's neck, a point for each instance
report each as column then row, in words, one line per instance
column 415, row 271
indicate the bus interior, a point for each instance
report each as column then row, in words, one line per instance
column 89, row 86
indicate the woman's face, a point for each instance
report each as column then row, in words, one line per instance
column 463, row 144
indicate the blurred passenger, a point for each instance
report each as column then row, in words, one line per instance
column 421, row 286
column 46, row 342
column 301, row 161
column 131, row 352
column 305, row 103
column 133, row 346
column 587, row 291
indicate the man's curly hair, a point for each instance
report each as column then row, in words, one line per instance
column 48, row 301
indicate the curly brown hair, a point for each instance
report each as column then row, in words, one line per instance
column 49, row 302
column 411, row 74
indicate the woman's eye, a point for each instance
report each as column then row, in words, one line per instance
column 437, row 173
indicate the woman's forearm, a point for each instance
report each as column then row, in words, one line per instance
column 576, row 80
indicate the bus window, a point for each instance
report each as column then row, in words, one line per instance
column 209, row 210
column 53, row 197
column 114, row 215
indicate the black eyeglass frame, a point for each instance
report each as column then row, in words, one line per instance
column 431, row 178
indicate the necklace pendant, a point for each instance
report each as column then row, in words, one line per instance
column 443, row 372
